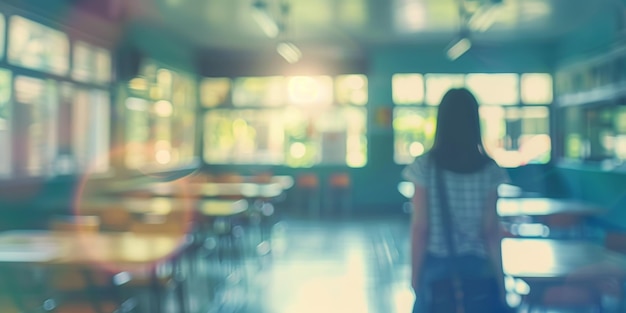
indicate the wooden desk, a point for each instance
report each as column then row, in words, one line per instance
column 546, row 259
column 222, row 208
column 164, row 205
column 512, row 207
column 135, row 253
column 87, row 249
column 211, row 190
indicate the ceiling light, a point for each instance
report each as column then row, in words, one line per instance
column 484, row 17
column 289, row 51
column 267, row 23
column 458, row 48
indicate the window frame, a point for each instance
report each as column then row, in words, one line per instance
column 402, row 159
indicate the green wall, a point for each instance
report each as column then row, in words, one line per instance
column 587, row 182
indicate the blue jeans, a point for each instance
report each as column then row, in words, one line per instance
column 436, row 268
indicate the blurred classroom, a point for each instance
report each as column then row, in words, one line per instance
column 193, row 156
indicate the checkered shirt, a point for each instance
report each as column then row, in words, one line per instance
column 467, row 195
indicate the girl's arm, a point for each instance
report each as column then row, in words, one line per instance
column 493, row 235
column 419, row 233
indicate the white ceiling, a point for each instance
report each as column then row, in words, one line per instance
column 349, row 25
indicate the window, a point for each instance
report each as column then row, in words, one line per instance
column 215, row 92
column 184, row 101
column 595, row 134
column 243, row 137
column 37, row 47
column 494, row 89
column 351, row 89
column 2, row 32
column 573, row 133
column 298, row 121
column 160, row 118
column 310, row 91
column 516, row 136
column 37, row 105
column 414, row 132
column 332, row 136
column 6, row 118
column 137, row 132
column 259, row 92
column 91, row 122
column 408, row 88
column 514, row 133
column 438, row 84
column 536, row 88
column 90, row 63
column 620, row 133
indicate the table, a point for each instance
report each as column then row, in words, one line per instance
column 123, row 249
column 539, row 259
column 249, row 187
column 504, row 191
column 546, row 217
column 110, row 251
column 510, row 207
column 222, row 207
column 163, row 205
column 563, row 265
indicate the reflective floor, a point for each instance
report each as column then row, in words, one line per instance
column 333, row 266
column 330, row 266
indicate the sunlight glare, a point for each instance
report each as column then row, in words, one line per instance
column 416, row 149
column 297, row 150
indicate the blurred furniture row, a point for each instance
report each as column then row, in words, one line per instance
column 314, row 199
column 566, row 275
column 140, row 247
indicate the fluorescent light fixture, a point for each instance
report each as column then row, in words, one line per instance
column 262, row 17
column 289, row 51
column 459, row 48
column 484, row 18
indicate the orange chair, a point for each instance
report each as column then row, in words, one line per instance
column 262, row 177
column 308, row 194
column 571, row 225
column 229, row 177
column 339, row 195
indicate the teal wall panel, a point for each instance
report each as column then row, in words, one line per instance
column 586, row 182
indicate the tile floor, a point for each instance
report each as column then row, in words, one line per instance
column 329, row 266
column 333, row 266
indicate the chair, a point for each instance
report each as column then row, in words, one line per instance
column 263, row 215
column 262, row 177
column 169, row 275
column 229, row 177
column 308, row 194
column 565, row 225
column 339, row 196
column 86, row 290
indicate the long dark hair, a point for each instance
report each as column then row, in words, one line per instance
column 458, row 145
